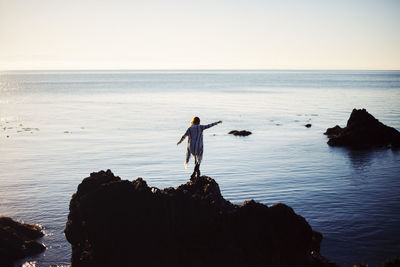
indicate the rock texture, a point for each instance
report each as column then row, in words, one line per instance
column 363, row 131
column 240, row 133
column 395, row 262
column 114, row 222
column 17, row 241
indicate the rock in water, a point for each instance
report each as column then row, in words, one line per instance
column 240, row 133
column 114, row 222
column 17, row 241
column 334, row 131
column 363, row 131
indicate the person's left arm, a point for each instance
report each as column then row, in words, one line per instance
column 211, row 125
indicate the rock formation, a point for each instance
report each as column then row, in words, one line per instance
column 395, row 262
column 17, row 241
column 240, row 133
column 114, row 222
column 363, row 131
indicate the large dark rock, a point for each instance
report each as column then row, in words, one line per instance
column 17, row 241
column 114, row 222
column 363, row 131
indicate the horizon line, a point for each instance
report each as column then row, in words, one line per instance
column 195, row 69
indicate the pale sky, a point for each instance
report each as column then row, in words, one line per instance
column 206, row 34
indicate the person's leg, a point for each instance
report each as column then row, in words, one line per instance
column 198, row 169
column 194, row 172
column 199, row 158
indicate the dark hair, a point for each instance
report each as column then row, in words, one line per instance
column 195, row 120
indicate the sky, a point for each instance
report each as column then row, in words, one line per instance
column 217, row 34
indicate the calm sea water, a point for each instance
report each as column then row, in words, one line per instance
column 56, row 127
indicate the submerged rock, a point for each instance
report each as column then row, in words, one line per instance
column 17, row 241
column 363, row 131
column 240, row 133
column 114, row 222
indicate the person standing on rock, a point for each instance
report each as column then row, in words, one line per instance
column 195, row 143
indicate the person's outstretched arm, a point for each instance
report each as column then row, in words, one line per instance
column 211, row 125
column 183, row 137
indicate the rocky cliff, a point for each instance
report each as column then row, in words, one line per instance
column 114, row 222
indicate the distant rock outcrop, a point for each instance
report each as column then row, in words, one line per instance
column 114, row 222
column 363, row 131
column 240, row 133
column 17, row 241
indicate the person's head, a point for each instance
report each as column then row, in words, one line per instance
column 195, row 121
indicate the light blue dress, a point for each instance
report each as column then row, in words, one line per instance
column 195, row 141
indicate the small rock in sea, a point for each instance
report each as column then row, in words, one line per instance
column 240, row 133
column 8, row 136
column 66, row 132
column 308, row 125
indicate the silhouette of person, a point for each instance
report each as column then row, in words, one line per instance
column 195, row 143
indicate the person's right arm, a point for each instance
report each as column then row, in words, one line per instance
column 183, row 137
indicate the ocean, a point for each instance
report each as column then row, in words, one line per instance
column 56, row 127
